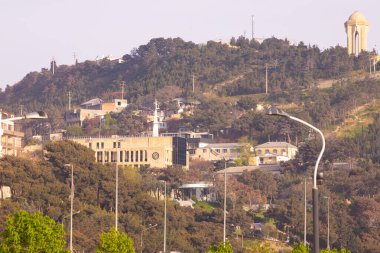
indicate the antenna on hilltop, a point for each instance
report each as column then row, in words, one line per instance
column 253, row 26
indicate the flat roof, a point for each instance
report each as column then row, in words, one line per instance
column 275, row 144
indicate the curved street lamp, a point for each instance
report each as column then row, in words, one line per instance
column 273, row 110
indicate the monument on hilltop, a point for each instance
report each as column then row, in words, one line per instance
column 356, row 28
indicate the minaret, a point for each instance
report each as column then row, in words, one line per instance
column 155, row 120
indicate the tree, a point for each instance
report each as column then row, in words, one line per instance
column 27, row 232
column 221, row 248
column 300, row 248
column 115, row 242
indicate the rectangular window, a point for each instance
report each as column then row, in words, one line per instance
column 217, row 150
column 141, row 156
column 137, row 156
column 121, row 156
column 99, row 157
column 97, row 145
column 127, row 156
column 146, row 156
column 114, row 144
column 224, row 150
column 204, row 150
column 119, row 144
column 102, row 144
column 131, row 156
column 106, row 156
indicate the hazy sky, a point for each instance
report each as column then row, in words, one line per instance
column 35, row 31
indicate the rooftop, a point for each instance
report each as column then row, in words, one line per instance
column 276, row 144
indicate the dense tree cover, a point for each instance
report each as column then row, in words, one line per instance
column 221, row 248
column 25, row 232
column 115, row 242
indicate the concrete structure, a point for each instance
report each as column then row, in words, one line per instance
column 11, row 139
column 238, row 170
column 94, row 108
column 356, row 28
column 198, row 192
column 275, row 152
column 155, row 152
column 220, row 151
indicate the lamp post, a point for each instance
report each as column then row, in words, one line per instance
column 117, row 194
column 275, row 111
column 164, row 216
column 328, row 221
column 141, row 235
column 71, row 205
column 32, row 115
column 225, row 203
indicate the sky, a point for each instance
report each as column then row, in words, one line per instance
column 33, row 32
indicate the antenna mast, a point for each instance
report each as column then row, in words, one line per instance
column 122, row 89
column 69, row 100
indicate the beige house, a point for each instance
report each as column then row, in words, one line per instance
column 11, row 139
column 155, row 152
column 275, row 152
column 94, row 108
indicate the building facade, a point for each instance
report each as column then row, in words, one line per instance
column 275, row 152
column 155, row 152
column 11, row 139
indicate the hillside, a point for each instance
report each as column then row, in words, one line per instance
column 163, row 63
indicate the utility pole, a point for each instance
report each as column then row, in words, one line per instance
column 69, row 100
column 304, row 227
column 266, row 78
column 117, row 193
column 165, row 222
column 252, row 27
column 193, row 84
column 122, row 89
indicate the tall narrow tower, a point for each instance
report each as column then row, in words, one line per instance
column 356, row 28
column 155, row 120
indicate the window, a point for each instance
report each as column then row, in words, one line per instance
column 141, row 156
column 119, row 144
column 99, row 157
column 131, row 156
column 259, row 152
column 127, row 156
column 102, row 144
column 267, row 151
column 137, row 156
column 204, row 150
column 225, row 150
column 217, row 150
column 97, row 145
column 90, row 145
column 118, row 103
column 274, row 151
column 106, row 156
column 114, row 144
column 121, row 156
column 146, row 156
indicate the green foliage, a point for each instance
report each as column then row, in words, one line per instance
column 221, row 248
column 26, row 232
column 74, row 130
column 260, row 247
column 115, row 242
column 343, row 250
column 300, row 248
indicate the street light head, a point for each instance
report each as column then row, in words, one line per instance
column 36, row 115
column 273, row 110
